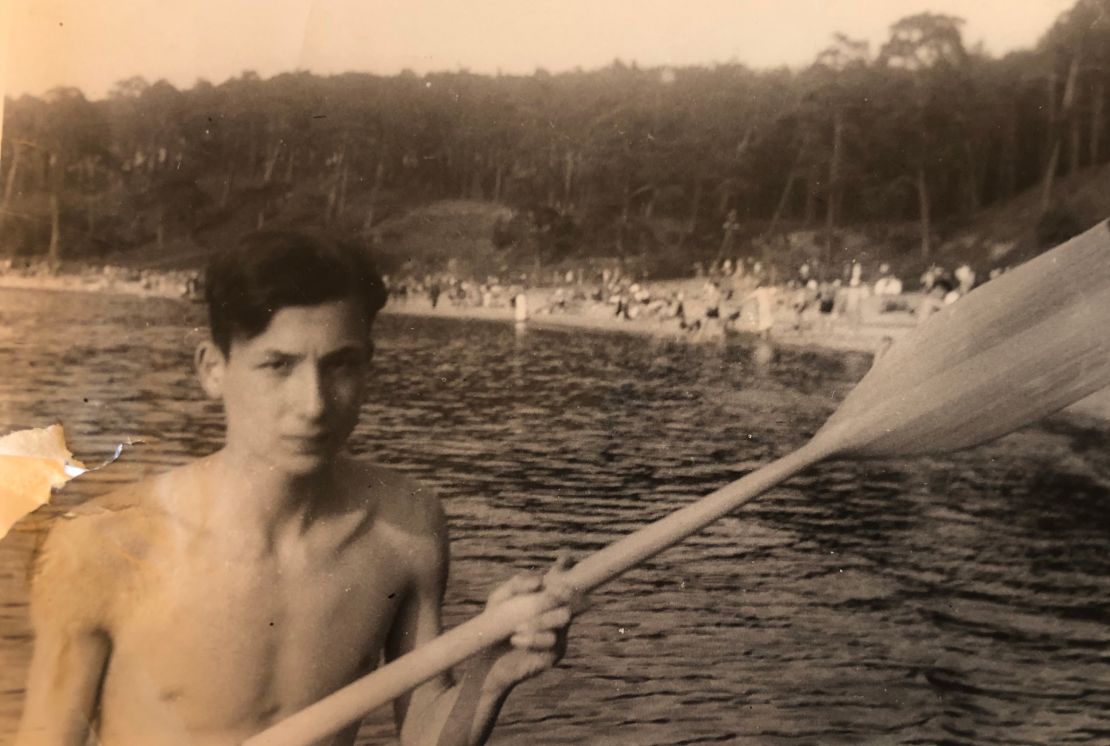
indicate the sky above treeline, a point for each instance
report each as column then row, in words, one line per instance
column 91, row 44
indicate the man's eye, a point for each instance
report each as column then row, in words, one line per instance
column 279, row 366
column 345, row 363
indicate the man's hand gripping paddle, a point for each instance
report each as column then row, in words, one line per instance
column 1022, row 346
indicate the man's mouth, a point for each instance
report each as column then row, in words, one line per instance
column 311, row 443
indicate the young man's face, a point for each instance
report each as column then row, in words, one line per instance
column 292, row 394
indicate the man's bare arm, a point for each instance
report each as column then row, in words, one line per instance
column 441, row 713
column 422, row 713
column 71, row 642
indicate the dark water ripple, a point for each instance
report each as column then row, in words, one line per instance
column 962, row 599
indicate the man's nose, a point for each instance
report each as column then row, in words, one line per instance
column 312, row 400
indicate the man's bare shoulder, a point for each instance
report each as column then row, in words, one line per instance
column 404, row 515
column 129, row 517
column 397, row 500
column 95, row 547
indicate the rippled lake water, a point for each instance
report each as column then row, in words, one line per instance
column 956, row 599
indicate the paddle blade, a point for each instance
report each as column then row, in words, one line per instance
column 1012, row 351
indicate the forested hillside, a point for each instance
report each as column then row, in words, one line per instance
column 914, row 144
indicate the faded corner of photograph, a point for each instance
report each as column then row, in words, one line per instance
column 606, row 373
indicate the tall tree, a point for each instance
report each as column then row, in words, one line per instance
column 926, row 52
column 1077, row 52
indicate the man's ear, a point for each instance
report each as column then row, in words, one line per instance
column 211, row 365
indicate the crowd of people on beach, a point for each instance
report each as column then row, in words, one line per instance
column 720, row 297
column 490, row 292
column 176, row 283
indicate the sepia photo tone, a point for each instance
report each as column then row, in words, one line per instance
column 554, row 373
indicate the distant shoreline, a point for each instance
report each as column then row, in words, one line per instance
column 145, row 285
column 836, row 335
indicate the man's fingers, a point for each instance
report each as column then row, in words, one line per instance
column 552, row 579
column 562, row 563
column 554, row 584
column 514, row 586
column 541, row 641
column 536, row 640
column 546, row 632
column 560, row 594
column 554, row 619
column 523, row 583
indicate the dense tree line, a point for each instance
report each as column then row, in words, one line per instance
column 616, row 161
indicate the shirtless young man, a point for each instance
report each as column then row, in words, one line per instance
column 207, row 603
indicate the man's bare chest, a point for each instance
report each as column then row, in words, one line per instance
column 221, row 638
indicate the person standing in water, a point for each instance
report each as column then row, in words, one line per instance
column 207, row 603
column 764, row 298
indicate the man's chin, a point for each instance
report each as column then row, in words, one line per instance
column 299, row 461
column 304, row 464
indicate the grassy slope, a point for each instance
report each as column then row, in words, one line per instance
column 1008, row 233
column 435, row 235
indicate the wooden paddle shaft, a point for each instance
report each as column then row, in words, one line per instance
column 353, row 701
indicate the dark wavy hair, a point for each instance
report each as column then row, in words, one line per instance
column 271, row 269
